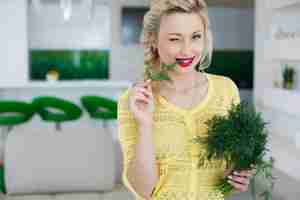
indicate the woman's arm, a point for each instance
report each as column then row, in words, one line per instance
column 139, row 165
column 142, row 170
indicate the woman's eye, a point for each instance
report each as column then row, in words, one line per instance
column 197, row 36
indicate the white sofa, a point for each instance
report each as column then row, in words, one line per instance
column 117, row 193
column 82, row 161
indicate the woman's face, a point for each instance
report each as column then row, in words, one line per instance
column 181, row 40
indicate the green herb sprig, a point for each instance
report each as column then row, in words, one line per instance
column 240, row 138
column 162, row 74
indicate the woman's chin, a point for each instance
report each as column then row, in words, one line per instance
column 185, row 69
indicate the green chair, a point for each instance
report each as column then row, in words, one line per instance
column 14, row 113
column 2, row 179
column 45, row 104
column 100, row 108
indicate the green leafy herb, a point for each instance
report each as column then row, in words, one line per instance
column 168, row 66
column 162, row 74
column 240, row 138
column 160, row 77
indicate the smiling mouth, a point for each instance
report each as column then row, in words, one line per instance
column 184, row 62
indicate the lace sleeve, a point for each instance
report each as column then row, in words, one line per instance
column 127, row 134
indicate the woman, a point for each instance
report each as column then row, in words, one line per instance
column 160, row 161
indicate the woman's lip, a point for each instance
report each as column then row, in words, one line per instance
column 184, row 62
column 185, row 58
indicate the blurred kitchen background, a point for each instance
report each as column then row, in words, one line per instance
column 74, row 48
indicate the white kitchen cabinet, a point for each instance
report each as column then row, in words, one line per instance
column 284, row 129
column 283, row 50
column 286, row 101
column 13, row 40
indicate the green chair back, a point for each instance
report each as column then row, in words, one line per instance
column 69, row 110
column 100, row 107
column 15, row 112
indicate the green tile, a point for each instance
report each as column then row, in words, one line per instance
column 71, row 64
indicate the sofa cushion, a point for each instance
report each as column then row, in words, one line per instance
column 77, row 158
column 119, row 192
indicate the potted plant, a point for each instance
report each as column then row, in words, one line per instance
column 52, row 74
column 288, row 74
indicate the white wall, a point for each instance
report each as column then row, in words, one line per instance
column 232, row 28
column 13, row 51
column 267, row 69
column 282, row 126
column 13, row 41
column 48, row 30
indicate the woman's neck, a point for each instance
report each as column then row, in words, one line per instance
column 184, row 83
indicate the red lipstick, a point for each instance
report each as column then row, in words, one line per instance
column 184, row 62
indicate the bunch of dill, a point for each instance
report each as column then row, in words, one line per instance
column 240, row 138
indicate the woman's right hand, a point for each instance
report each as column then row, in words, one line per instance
column 141, row 102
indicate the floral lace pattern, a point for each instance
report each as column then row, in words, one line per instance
column 182, row 195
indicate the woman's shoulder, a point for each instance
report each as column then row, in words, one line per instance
column 123, row 99
column 219, row 78
column 124, row 94
column 222, row 81
column 226, row 87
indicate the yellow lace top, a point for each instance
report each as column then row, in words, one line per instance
column 180, row 178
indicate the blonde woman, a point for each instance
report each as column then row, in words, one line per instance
column 160, row 161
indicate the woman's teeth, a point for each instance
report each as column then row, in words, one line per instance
column 184, row 62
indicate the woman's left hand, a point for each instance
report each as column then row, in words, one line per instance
column 240, row 180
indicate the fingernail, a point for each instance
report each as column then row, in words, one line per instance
column 230, row 177
column 235, row 173
column 229, row 181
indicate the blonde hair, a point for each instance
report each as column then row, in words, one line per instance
column 152, row 18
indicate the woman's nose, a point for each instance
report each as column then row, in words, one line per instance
column 185, row 48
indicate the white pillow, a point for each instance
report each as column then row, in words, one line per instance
column 78, row 158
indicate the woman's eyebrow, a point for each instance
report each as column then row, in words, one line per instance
column 179, row 34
